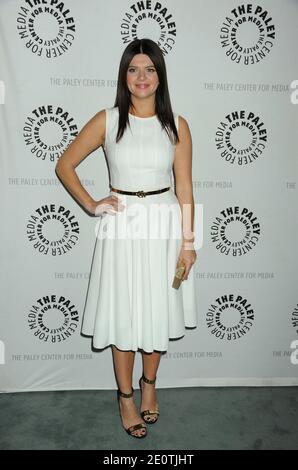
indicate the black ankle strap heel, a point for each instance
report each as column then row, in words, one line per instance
column 150, row 419
column 147, row 380
column 134, row 427
column 125, row 395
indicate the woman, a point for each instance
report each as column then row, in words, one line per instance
column 130, row 303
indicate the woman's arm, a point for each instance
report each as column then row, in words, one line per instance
column 90, row 137
column 183, row 177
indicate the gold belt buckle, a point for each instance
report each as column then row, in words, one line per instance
column 140, row 194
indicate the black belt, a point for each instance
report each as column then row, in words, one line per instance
column 140, row 193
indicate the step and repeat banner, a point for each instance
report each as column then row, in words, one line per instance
column 232, row 73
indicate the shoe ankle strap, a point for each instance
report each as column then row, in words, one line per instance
column 125, row 395
column 147, row 380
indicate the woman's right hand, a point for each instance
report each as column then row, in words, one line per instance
column 109, row 204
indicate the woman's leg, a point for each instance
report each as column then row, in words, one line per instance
column 150, row 366
column 123, row 364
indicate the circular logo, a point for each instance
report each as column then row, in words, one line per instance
column 53, row 230
column 230, row 317
column 53, row 319
column 48, row 131
column 241, row 138
column 149, row 19
column 47, row 28
column 235, row 231
column 247, row 35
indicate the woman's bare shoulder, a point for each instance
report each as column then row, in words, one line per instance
column 183, row 127
column 182, row 120
column 99, row 123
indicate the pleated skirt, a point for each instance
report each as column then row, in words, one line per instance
column 130, row 301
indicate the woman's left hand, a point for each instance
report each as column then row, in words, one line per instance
column 187, row 257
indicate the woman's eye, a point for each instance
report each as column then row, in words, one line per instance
column 133, row 70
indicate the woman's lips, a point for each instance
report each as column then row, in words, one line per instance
column 142, row 86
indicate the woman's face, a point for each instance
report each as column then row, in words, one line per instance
column 142, row 79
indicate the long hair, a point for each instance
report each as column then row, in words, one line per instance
column 163, row 107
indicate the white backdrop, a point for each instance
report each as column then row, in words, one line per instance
column 230, row 67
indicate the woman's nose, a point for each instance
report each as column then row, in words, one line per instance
column 142, row 74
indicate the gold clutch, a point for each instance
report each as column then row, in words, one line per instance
column 178, row 277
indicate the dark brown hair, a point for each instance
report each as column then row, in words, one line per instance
column 163, row 107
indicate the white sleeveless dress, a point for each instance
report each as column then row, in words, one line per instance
column 130, row 300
